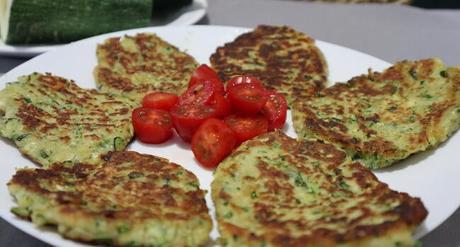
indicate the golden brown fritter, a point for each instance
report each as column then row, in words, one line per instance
column 284, row 59
column 130, row 199
column 276, row 191
column 384, row 117
column 51, row 119
column 132, row 66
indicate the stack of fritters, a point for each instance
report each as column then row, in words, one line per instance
column 275, row 191
column 282, row 58
column 51, row 119
column 381, row 118
column 130, row 199
column 132, row 66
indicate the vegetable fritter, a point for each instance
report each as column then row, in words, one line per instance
column 132, row 66
column 283, row 59
column 276, row 191
column 130, row 199
column 384, row 117
column 51, row 119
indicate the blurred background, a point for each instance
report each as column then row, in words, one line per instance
column 432, row 4
column 388, row 29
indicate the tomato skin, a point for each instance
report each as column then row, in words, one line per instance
column 212, row 142
column 151, row 125
column 247, row 98
column 206, row 73
column 203, row 73
column 275, row 110
column 242, row 79
column 160, row 100
column 247, row 127
column 200, row 93
column 221, row 106
column 218, row 87
column 187, row 118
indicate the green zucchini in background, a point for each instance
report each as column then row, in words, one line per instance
column 62, row 21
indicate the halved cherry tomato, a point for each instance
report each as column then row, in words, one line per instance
column 221, row 106
column 218, row 87
column 212, row 142
column 205, row 73
column 247, row 98
column 200, row 93
column 188, row 117
column 159, row 100
column 275, row 110
column 242, row 79
column 247, row 127
column 151, row 125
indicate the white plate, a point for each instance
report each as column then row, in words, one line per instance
column 431, row 175
column 186, row 15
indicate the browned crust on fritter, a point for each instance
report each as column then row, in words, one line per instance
column 46, row 116
column 395, row 80
column 278, row 196
column 274, row 69
column 116, row 182
column 149, row 59
column 35, row 118
column 328, row 130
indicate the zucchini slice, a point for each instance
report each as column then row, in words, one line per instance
column 62, row 21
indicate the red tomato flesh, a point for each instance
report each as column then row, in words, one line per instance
column 221, row 106
column 200, row 93
column 212, row 142
column 205, row 73
column 152, row 125
column 247, row 98
column 275, row 110
column 159, row 100
column 247, row 127
column 242, row 79
column 187, row 118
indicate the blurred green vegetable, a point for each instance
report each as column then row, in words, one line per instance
column 62, row 21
